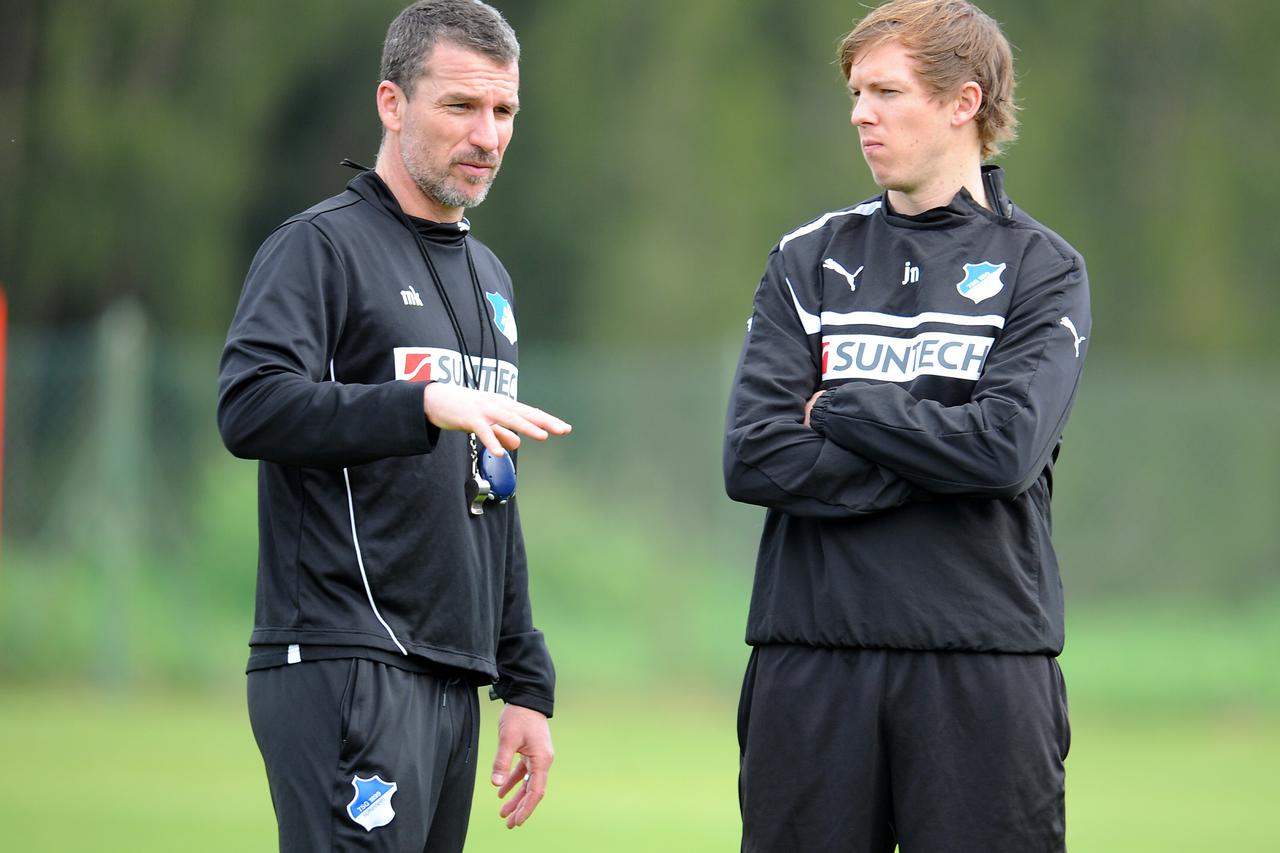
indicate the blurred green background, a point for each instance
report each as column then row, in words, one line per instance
column 147, row 147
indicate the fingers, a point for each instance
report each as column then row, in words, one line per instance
column 524, row 731
column 511, row 806
column 545, row 420
column 529, row 420
column 467, row 410
column 497, row 428
column 808, row 406
column 485, row 435
column 518, row 809
column 502, row 761
column 506, row 437
column 515, row 777
column 515, row 422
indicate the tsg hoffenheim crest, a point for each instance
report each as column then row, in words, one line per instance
column 503, row 317
column 981, row 281
column 371, row 806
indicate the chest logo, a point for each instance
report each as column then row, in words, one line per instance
column 851, row 277
column 436, row 364
column 981, row 281
column 411, row 297
column 503, row 317
column 371, row 806
column 910, row 274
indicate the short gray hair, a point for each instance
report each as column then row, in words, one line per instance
column 466, row 23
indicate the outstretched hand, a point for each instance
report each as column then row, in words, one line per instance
column 524, row 731
column 495, row 419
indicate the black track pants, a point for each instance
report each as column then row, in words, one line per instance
column 854, row 751
column 364, row 756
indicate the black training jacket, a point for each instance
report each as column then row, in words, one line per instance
column 914, row 514
column 365, row 540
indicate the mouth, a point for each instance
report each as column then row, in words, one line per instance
column 870, row 145
column 476, row 170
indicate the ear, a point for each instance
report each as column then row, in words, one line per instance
column 967, row 104
column 391, row 104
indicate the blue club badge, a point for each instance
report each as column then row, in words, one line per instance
column 371, row 806
column 503, row 317
column 981, row 281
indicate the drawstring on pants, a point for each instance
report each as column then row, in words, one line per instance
column 471, row 713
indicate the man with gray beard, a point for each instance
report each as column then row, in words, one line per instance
column 372, row 369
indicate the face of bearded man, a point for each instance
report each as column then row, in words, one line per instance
column 457, row 124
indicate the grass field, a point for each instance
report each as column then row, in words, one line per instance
column 163, row 772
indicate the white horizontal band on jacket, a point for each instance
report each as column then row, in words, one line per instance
column 814, row 323
column 893, row 321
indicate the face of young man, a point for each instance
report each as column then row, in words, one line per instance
column 456, row 126
column 909, row 138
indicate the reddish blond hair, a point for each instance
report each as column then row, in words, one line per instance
column 952, row 42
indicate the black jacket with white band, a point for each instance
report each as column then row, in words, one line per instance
column 914, row 514
column 365, row 539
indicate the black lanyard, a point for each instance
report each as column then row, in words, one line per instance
column 476, row 488
column 472, row 373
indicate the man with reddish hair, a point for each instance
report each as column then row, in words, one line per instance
column 898, row 408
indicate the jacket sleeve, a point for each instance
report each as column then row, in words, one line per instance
column 997, row 444
column 278, row 397
column 526, row 675
column 770, row 457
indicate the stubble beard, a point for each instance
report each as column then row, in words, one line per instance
column 439, row 184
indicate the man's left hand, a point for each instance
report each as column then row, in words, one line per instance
column 523, row 731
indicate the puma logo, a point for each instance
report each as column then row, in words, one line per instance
column 834, row 266
column 1071, row 327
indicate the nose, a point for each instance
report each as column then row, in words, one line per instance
column 484, row 131
column 861, row 114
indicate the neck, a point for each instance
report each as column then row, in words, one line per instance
column 412, row 200
column 940, row 191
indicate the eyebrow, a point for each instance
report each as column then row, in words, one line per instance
column 451, row 97
column 880, row 82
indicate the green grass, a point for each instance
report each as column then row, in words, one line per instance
column 1173, row 783
column 88, row 771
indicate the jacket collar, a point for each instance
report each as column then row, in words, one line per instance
column 962, row 207
column 374, row 190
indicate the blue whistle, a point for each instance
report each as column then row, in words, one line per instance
column 500, row 471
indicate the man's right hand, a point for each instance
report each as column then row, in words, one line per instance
column 494, row 418
column 808, row 406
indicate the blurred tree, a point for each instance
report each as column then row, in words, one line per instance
column 150, row 134
column 149, row 146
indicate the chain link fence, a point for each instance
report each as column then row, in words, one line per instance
column 129, row 533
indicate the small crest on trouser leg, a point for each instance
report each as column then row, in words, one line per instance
column 371, row 806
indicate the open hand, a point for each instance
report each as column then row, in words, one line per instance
column 494, row 418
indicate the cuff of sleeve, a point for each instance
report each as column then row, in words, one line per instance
column 424, row 433
column 818, row 414
column 525, row 699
